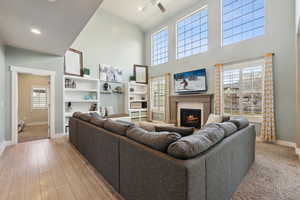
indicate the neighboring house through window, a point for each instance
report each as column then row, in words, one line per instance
column 39, row 98
column 159, row 45
column 242, row 91
column 242, row 20
column 192, row 34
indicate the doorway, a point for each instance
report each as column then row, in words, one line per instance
column 33, row 107
column 33, row 103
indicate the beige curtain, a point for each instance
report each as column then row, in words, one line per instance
column 167, row 96
column 217, row 95
column 268, row 132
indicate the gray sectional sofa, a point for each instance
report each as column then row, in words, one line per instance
column 139, row 172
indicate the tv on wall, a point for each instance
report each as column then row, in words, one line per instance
column 191, row 82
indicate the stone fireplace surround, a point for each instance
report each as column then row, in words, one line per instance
column 193, row 101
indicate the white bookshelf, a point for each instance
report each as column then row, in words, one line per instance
column 82, row 97
column 138, row 101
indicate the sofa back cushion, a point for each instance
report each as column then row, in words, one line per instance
column 98, row 122
column 85, row 117
column 240, row 122
column 156, row 140
column 116, row 127
column 181, row 130
column 193, row 145
column 228, row 127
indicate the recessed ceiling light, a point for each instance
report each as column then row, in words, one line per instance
column 141, row 8
column 51, row 1
column 35, row 31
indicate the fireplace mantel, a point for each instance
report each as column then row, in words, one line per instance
column 205, row 99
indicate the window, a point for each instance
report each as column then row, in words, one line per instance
column 242, row 20
column 159, row 95
column 39, row 98
column 160, row 44
column 192, row 34
column 242, row 89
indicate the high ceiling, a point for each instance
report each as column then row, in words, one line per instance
column 60, row 22
column 128, row 9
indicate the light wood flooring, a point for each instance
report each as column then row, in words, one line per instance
column 49, row 170
column 35, row 132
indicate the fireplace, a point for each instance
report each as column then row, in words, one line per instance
column 190, row 117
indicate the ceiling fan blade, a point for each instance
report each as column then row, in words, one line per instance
column 161, row 7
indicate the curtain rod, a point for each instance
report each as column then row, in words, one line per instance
column 245, row 60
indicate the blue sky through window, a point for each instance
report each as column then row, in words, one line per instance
column 160, row 47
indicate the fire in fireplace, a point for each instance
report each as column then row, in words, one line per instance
column 190, row 118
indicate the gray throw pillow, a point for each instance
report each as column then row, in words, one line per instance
column 181, row 130
column 116, row 127
column 96, row 115
column 156, row 140
column 98, row 122
column 228, row 127
column 240, row 122
column 193, row 145
column 85, row 117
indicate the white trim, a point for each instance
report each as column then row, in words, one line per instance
column 286, row 143
column 36, row 123
column 14, row 95
column 58, row 135
column 3, row 145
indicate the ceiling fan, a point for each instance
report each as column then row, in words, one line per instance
column 153, row 3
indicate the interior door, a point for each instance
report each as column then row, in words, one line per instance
column 49, row 107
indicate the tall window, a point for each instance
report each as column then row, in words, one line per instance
column 39, row 98
column 159, row 44
column 242, row 20
column 242, row 89
column 159, row 97
column 192, row 34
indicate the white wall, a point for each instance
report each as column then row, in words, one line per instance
column 280, row 39
column 2, row 92
column 108, row 39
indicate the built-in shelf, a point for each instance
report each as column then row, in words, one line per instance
column 81, row 101
column 80, row 90
column 137, row 101
column 81, row 78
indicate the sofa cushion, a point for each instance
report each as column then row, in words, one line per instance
column 156, row 140
column 96, row 115
column 240, row 122
column 148, row 126
column 77, row 114
column 193, row 145
column 181, row 130
column 85, row 117
column 98, row 122
column 228, row 127
column 116, row 127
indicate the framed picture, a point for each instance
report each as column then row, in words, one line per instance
column 141, row 73
column 74, row 62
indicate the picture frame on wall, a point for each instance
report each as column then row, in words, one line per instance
column 74, row 62
column 141, row 74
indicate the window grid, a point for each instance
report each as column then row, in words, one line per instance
column 39, row 98
column 242, row 90
column 160, row 44
column 192, row 34
column 242, row 20
column 158, row 96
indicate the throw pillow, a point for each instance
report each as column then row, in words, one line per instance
column 212, row 118
column 193, row 145
column 181, row 130
column 85, row 117
column 156, row 140
column 98, row 122
column 240, row 122
column 228, row 127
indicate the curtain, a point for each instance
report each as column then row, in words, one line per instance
column 217, row 95
column 268, row 133
column 167, row 96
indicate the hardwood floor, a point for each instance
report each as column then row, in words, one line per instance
column 49, row 170
column 36, row 132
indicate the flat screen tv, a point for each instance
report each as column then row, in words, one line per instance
column 191, row 82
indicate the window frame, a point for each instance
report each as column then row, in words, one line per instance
column 151, row 44
column 222, row 26
column 47, row 98
column 243, row 65
column 184, row 17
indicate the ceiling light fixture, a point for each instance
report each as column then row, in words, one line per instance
column 141, row 8
column 51, row 1
column 35, row 31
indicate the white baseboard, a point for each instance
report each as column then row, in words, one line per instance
column 58, row 135
column 3, row 145
column 36, row 123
